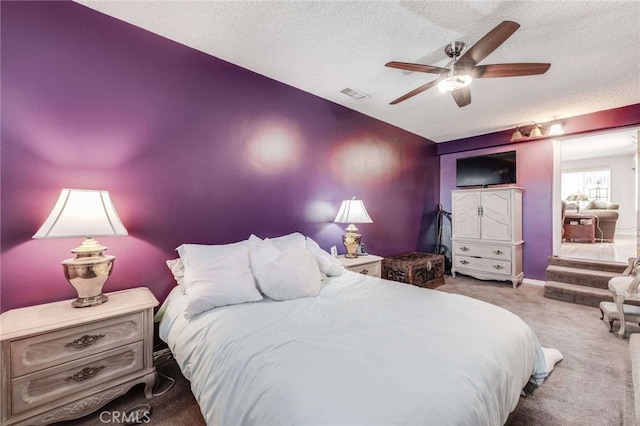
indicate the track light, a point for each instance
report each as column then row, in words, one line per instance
column 556, row 128
column 517, row 135
column 535, row 132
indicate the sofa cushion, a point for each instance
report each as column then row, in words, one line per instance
column 603, row 215
column 602, row 205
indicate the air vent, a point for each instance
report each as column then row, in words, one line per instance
column 355, row 94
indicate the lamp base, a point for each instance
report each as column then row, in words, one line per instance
column 351, row 241
column 85, row 302
column 88, row 272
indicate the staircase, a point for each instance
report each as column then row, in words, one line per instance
column 583, row 282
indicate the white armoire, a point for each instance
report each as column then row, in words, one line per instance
column 487, row 233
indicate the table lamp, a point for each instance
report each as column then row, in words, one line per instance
column 352, row 211
column 85, row 213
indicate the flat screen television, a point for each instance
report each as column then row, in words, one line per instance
column 485, row 170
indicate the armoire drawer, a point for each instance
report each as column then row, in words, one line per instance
column 485, row 251
column 484, row 265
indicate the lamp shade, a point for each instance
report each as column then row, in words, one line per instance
column 352, row 211
column 82, row 213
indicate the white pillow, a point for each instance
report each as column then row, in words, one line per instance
column 192, row 254
column 328, row 264
column 288, row 241
column 294, row 274
column 224, row 280
column 177, row 269
column 260, row 254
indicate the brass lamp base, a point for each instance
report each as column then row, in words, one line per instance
column 351, row 241
column 85, row 302
column 88, row 272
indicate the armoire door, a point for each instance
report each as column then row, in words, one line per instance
column 496, row 215
column 466, row 214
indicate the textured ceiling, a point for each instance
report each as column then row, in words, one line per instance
column 322, row 47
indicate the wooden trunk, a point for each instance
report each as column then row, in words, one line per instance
column 419, row 269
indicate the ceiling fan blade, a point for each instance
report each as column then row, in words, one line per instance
column 462, row 96
column 487, row 44
column 414, row 92
column 509, row 70
column 416, row 67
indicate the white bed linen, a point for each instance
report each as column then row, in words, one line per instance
column 364, row 351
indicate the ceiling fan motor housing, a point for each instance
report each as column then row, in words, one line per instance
column 455, row 49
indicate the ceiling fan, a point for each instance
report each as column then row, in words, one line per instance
column 459, row 73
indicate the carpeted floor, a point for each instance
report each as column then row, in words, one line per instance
column 590, row 386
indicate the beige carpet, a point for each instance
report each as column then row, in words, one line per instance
column 590, row 386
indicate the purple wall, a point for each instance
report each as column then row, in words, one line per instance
column 537, row 204
column 192, row 149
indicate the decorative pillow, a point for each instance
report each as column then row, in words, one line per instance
column 598, row 204
column 288, row 241
column 177, row 269
column 224, row 280
column 294, row 274
column 192, row 254
column 328, row 264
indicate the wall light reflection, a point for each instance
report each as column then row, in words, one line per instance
column 275, row 146
column 366, row 160
column 320, row 211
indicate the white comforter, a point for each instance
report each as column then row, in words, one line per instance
column 365, row 351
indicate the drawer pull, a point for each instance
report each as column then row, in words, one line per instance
column 84, row 341
column 464, row 262
column 429, row 266
column 498, row 252
column 464, row 248
column 498, row 267
column 364, row 271
column 84, row 374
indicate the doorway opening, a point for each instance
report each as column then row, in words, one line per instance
column 596, row 181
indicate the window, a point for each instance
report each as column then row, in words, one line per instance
column 594, row 183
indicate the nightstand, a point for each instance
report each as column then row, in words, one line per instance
column 61, row 363
column 367, row 265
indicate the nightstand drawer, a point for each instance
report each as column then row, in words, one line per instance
column 45, row 386
column 487, row 251
column 43, row 351
column 372, row 269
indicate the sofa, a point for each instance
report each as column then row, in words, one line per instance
column 607, row 214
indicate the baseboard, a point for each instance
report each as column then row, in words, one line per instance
column 533, row 282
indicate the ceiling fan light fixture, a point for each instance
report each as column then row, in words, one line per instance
column 454, row 82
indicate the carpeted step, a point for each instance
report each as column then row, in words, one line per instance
column 616, row 267
column 583, row 277
column 573, row 293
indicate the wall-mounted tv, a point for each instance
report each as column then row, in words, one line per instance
column 484, row 170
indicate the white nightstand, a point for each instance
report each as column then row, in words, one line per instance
column 61, row 363
column 367, row 265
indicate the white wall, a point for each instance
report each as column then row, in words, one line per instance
column 622, row 189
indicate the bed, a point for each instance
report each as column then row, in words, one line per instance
column 362, row 351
